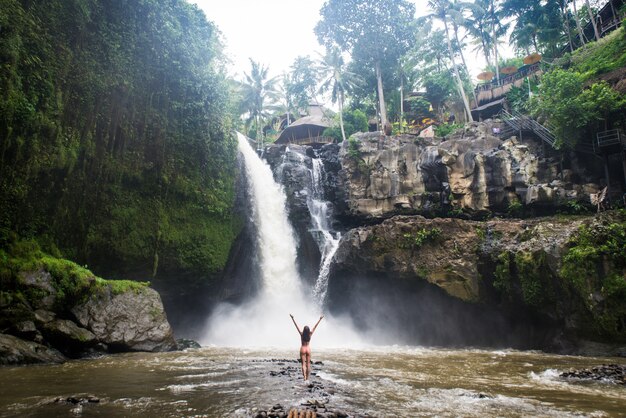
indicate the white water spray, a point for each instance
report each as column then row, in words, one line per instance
column 326, row 240
column 265, row 322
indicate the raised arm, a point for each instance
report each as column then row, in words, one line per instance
column 294, row 322
column 318, row 322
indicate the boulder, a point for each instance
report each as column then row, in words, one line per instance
column 69, row 337
column 14, row 350
column 133, row 320
column 39, row 283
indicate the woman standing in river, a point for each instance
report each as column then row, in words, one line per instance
column 305, row 349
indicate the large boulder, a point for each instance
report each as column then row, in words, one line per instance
column 14, row 350
column 132, row 320
column 69, row 337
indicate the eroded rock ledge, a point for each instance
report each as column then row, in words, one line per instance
column 59, row 310
column 559, row 278
column 471, row 171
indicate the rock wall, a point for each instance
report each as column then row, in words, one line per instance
column 471, row 171
column 499, row 282
column 416, row 268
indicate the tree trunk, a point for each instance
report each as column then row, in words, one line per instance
column 566, row 26
column 456, row 36
column 343, row 132
column 381, row 97
column 495, row 42
column 456, row 73
column 581, row 35
column 593, row 21
column 401, row 101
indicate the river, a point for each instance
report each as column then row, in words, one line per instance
column 376, row 381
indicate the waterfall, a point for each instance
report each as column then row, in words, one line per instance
column 264, row 321
column 326, row 240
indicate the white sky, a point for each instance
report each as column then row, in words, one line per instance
column 272, row 32
column 275, row 32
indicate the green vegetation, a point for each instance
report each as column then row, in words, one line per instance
column 353, row 121
column 569, row 108
column 525, row 275
column 354, row 149
column 416, row 239
column 446, row 129
column 115, row 134
column 597, row 58
column 594, row 267
column 71, row 282
column 502, row 275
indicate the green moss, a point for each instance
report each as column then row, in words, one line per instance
column 534, row 277
column 594, row 270
column 418, row 238
column 73, row 284
column 123, row 286
column 502, row 275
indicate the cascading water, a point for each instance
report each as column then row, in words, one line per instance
column 326, row 240
column 265, row 321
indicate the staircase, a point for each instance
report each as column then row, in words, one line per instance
column 515, row 122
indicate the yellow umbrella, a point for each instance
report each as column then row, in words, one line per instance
column 485, row 75
column 508, row 70
column 532, row 58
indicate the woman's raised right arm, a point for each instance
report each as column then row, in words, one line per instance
column 294, row 322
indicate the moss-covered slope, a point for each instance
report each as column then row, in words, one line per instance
column 115, row 134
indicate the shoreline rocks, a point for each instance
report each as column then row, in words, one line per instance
column 614, row 373
column 63, row 311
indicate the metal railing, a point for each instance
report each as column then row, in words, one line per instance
column 521, row 122
column 610, row 138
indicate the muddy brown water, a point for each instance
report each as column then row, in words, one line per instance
column 377, row 382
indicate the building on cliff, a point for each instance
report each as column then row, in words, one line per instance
column 308, row 130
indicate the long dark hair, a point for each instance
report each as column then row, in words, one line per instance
column 306, row 334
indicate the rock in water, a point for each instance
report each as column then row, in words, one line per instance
column 14, row 350
column 185, row 343
column 133, row 320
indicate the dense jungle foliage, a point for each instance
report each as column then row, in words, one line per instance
column 115, row 134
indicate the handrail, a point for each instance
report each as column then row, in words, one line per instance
column 610, row 137
column 521, row 122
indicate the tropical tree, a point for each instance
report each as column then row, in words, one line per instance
column 337, row 79
column 376, row 33
column 484, row 24
column 440, row 10
column 302, row 82
column 592, row 18
column 579, row 27
column 259, row 92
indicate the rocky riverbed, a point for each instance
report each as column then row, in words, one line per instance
column 614, row 373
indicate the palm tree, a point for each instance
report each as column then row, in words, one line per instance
column 581, row 35
column 440, row 10
column 457, row 19
column 259, row 92
column 593, row 20
column 337, row 79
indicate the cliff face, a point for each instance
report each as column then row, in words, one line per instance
column 517, row 282
column 471, row 171
column 415, row 268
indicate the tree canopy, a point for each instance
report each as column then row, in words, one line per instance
column 374, row 32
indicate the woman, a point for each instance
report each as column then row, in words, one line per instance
column 305, row 349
